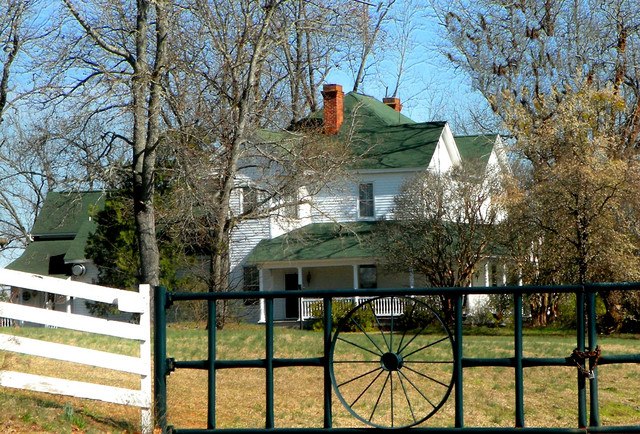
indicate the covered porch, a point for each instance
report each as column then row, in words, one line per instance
column 361, row 275
column 320, row 256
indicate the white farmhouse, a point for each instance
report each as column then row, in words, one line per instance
column 322, row 246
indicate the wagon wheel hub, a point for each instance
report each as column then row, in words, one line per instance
column 391, row 361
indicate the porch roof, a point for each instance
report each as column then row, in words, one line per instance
column 316, row 241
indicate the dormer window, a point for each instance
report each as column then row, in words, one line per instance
column 249, row 199
column 366, row 206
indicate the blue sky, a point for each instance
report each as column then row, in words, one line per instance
column 432, row 89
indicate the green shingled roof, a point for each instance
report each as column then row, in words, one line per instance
column 385, row 138
column 476, row 148
column 61, row 230
column 316, row 241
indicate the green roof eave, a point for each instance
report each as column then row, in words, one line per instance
column 36, row 256
column 318, row 241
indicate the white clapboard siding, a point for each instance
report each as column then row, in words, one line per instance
column 127, row 301
column 70, row 321
column 69, row 353
column 78, row 389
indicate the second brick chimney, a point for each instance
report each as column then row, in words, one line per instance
column 333, row 97
column 394, row 103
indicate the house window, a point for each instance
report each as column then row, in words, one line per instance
column 365, row 200
column 494, row 275
column 251, row 282
column 291, row 205
column 249, row 199
column 367, row 276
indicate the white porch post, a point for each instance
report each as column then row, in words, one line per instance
column 300, row 298
column 262, row 319
column 486, row 274
column 356, row 283
column 504, row 274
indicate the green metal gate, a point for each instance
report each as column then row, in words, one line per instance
column 388, row 357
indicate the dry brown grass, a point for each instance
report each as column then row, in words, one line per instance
column 550, row 393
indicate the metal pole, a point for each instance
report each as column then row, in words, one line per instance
column 519, row 376
column 328, row 326
column 160, row 357
column 269, row 422
column 594, row 412
column 582, row 395
column 457, row 357
column 211, row 360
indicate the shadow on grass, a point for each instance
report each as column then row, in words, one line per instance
column 29, row 400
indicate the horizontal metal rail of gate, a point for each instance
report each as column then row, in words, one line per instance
column 586, row 343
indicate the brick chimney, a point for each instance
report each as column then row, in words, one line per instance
column 333, row 97
column 394, row 103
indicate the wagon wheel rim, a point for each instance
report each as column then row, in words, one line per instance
column 397, row 373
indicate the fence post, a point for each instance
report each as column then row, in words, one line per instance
column 160, row 357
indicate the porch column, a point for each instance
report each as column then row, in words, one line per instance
column 356, row 283
column 300, row 304
column 262, row 319
column 504, row 274
column 486, row 274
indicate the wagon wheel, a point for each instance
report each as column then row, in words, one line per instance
column 394, row 371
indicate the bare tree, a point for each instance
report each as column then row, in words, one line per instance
column 445, row 225
column 227, row 135
column 110, row 65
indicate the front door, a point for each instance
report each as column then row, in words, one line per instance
column 291, row 304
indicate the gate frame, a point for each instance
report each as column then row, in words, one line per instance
column 585, row 295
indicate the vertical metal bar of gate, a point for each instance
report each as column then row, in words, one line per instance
column 594, row 413
column 519, row 374
column 328, row 325
column 582, row 395
column 457, row 357
column 211, row 364
column 160, row 356
column 269, row 422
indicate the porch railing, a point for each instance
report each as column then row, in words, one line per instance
column 311, row 308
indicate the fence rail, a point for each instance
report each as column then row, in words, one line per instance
column 126, row 301
column 311, row 308
column 586, row 340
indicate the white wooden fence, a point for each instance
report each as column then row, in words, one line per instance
column 126, row 301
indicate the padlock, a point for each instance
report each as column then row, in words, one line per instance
column 591, row 375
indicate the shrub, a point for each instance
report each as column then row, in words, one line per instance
column 363, row 317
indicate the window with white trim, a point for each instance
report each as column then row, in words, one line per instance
column 249, row 199
column 367, row 276
column 366, row 206
column 251, row 282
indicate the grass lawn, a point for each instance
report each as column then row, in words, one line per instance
column 550, row 392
